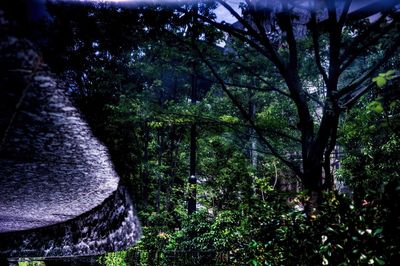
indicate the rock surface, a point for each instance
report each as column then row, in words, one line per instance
column 59, row 193
column 51, row 166
column 111, row 226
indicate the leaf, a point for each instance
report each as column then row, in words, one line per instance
column 389, row 74
column 229, row 119
column 254, row 263
column 379, row 261
column 380, row 81
column 363, row 257
column 253, row 244
column 378, row 231
column 330, row 229
column 376, row 107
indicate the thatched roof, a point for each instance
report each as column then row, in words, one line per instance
column 53, row 172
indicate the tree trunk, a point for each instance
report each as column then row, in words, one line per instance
column 316, row 156
column 192, row 173
column 313, row 184
column 193, row 151
column 146, row 174
column 193, row 133
column 159, row 174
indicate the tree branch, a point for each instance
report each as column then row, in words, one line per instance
column 247, row 116
column 364, row 46
column 275, row 57
column 345, row 11
column 335, row 39
column 357, row 94
column 315, row 38
column 285, row 23
column 361, row 38
column 250, row 87
column 250, row 70
column 211, row 120
column 240, row 34
column 353, row 86
column 327, row 156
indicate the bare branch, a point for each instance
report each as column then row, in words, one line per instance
column 345, row 11
column 382, row 31
column 285, row 23
column 274, row 56
column 258, row 23
column 313, row 98
column 316, row 47
column 362, row 37
column 239, row 34
column 353, row 86
column 357, row 94
column 335, row 40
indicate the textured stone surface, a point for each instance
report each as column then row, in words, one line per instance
column 59, row 193
column 51, row 166
column 111, row 226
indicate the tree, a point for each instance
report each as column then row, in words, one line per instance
column 335, row 39
column 136, row 94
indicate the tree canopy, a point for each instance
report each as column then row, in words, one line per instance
column 277, row 102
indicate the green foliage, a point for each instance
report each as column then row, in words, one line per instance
column 276, row 233
column 383, row 78
column 113, row 259
column 135, row 93
column 31, row 263
column 371, row 140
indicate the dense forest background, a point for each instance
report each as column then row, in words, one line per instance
column 205, row 128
